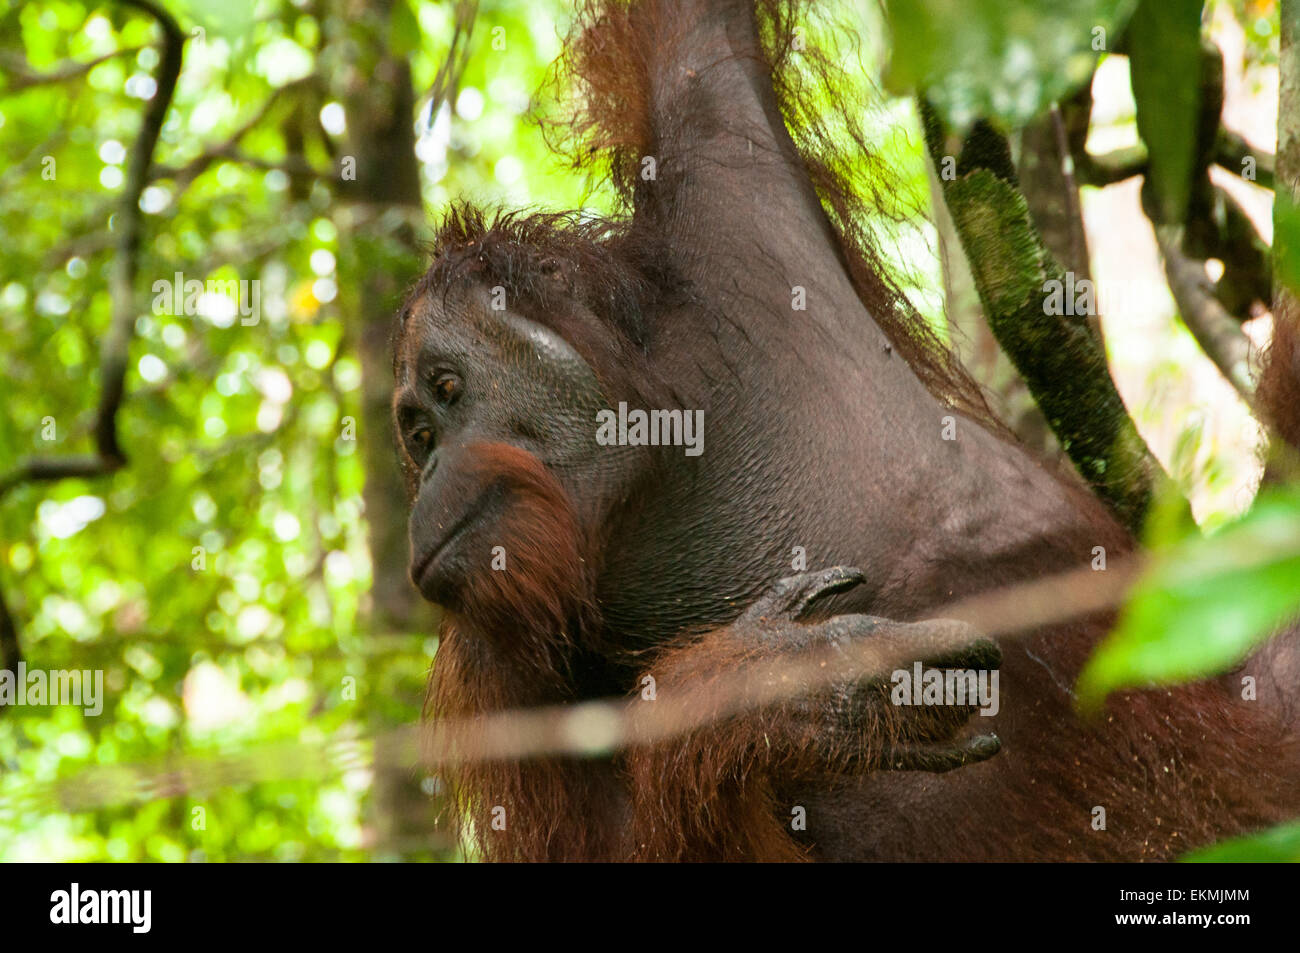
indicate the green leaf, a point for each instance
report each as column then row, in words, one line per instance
column 229, row 19
column 1204, row 603
column 1170, row 519
column 404, row 35
column 1281, row 845
column 1164, row 39
column 1005, row 59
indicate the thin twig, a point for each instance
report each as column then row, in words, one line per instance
column 446, row 84
column 21, row 79
column 10, row 651
column 226, row 150
column 1111, row 167
column 1218, row 333
column 596, row 727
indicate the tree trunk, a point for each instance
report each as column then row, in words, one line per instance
column 383, row 260
column 1279, row 389
column 380, row 106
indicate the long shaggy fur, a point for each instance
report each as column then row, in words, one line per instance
column 608, row 66
column 513, row 643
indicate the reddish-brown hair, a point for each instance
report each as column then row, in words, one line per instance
column 510, row 644
column 608, row 64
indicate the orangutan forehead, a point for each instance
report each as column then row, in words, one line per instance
column 541, row 262
column 464, row 319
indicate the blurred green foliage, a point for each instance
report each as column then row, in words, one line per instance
column 220, row 579
column 1165, row 51
column 1204, row 602
column 1007, row 59
column 1278, row 846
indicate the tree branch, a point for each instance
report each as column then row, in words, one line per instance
column 114, row 350
column 1013, row 612
column 1110, row 167
column 227, row 152
column 187, row 173
column 10, row 651
column 1227, row 233
column 1061, row 361
column 1279, row 386
column 50, row 469
column 446, row 85
column 1046, row 178
column 1231, row 152
column 22, row 79
column 1218, row 332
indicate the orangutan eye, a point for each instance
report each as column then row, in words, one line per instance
column 420, row 443
column 446, row 389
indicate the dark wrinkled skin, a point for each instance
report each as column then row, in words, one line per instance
column 521, row 384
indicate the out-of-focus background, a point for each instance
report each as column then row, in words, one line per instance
column 241, row 580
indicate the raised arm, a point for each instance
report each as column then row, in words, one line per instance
column 681, row 91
